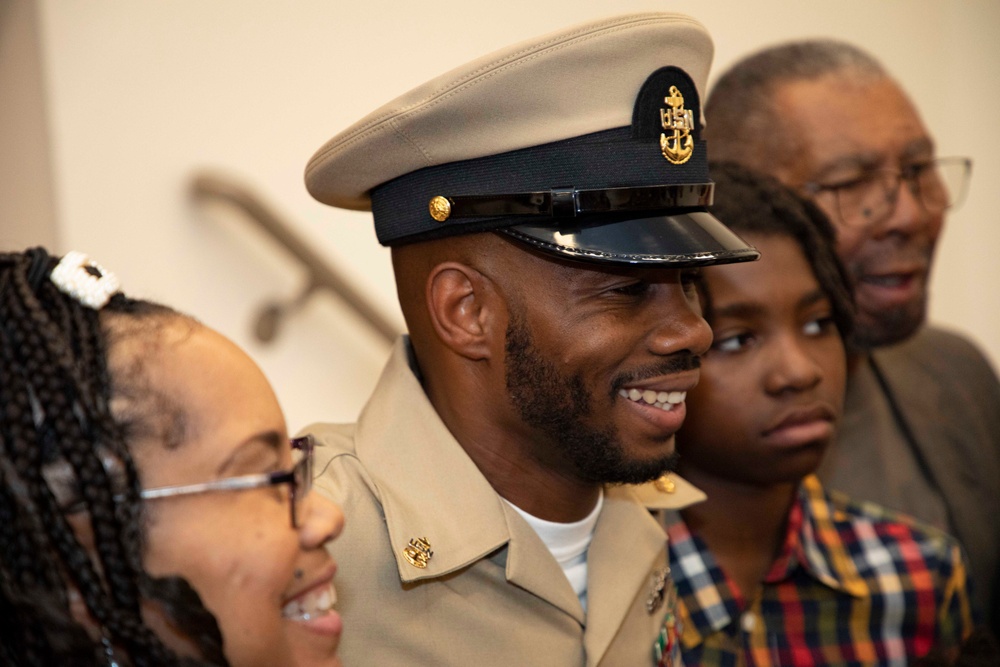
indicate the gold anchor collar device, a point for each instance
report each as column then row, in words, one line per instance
column 418, row 552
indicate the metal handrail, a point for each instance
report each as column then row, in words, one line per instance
column 321, row 275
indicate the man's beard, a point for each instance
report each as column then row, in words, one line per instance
column 888, row 326
column 891, row 327
column 559, row 407
column 876, row 325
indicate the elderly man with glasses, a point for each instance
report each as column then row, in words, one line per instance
column 921, row 432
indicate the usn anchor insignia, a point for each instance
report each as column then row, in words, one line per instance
column 678, row 146
column 418, row 553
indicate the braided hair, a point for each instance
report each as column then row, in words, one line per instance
column 63, row 451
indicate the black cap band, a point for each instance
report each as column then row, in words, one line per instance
column 571, row 203
column 400, row 206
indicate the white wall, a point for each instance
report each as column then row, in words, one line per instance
column 141, row 94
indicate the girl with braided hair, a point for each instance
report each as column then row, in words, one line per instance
column 151, row 509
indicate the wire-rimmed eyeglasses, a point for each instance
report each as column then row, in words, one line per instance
column 870, row 198
column 299, row 480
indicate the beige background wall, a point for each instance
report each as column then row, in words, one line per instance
column 27, row 207
column 139, row 95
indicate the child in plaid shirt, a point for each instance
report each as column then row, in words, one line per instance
column 773, row 569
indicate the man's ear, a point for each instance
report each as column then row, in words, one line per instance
column 463, row 308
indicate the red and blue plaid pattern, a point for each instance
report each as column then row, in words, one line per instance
column 854, row 584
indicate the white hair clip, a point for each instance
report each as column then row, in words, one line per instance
column 72, row 277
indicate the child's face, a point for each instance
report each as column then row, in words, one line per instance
column 771, row 388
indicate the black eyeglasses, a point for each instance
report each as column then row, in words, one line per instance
column 299, row 479
column 937, row 184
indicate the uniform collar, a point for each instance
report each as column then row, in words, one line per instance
column 669, row 492
column 428, row 486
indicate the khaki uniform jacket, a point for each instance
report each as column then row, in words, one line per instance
column 491, row 593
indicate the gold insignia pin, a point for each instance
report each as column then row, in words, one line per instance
column 679, row 146
column 440, row 208
column 418, row 553
column 664, row 484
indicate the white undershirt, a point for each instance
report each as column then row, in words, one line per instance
column 568, row 543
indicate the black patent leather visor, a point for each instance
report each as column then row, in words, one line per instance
column 679, row 240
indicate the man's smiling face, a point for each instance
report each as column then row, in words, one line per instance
column 598, row 363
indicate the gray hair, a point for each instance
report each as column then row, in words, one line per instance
column 740, row 108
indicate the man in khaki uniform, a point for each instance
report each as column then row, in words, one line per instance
column 545, row 206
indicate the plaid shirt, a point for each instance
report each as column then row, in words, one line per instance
column 853, row 584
